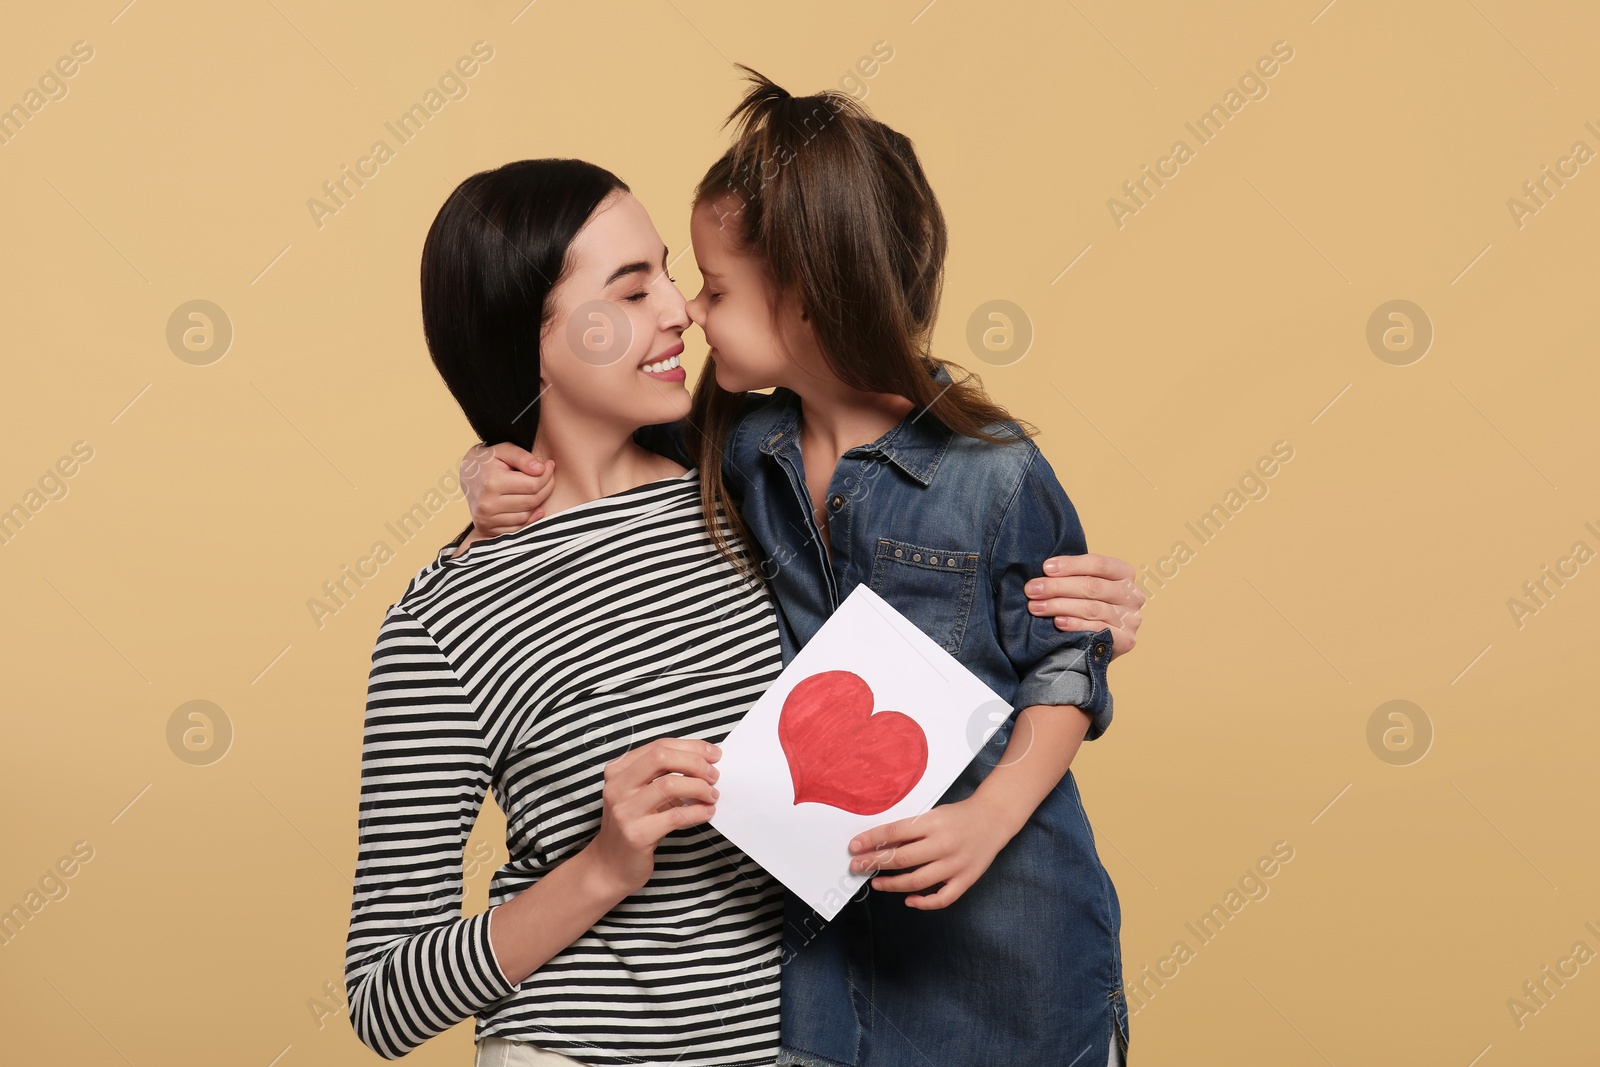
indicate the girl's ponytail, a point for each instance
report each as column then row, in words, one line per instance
column 837, row 206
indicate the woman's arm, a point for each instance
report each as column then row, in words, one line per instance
column 1090, row 592
column 414, row 966
column 650, row 791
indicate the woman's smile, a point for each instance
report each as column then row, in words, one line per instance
column 667, row 368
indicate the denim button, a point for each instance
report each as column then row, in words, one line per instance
column 1100, row 648
column 836, row 502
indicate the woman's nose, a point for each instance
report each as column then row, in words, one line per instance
column 677, row 311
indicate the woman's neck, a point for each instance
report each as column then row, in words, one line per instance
column 593, row 459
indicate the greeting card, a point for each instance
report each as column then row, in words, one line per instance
column 871, row 722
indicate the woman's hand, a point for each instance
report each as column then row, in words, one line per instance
column 645, row 800
column 950, row 843
column 506, row 486
column 1090, row 592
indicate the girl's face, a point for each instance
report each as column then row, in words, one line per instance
column 735, row 309
column 610, row 352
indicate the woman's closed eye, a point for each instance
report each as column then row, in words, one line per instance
column 641, row 294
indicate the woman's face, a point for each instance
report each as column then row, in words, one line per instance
column 610, row 352
column 735, row 309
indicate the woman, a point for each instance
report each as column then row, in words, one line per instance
column 624, row 929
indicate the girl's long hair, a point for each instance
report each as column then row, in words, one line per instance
column 836, row 206
column 496, row 250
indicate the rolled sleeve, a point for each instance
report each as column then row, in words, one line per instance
column 1055, row 667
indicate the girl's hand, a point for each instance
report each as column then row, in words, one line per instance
column 949, row 843
column 505, row 487
column 1090, row 592
column 649, row 792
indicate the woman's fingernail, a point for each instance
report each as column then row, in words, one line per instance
column 1051, row 566
column 1035, row 587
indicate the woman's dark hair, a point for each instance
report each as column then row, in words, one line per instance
column 836, row 206
column 496, row 250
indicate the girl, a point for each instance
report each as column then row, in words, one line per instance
column 993, row 937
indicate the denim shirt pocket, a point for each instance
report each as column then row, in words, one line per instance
column 933, row 587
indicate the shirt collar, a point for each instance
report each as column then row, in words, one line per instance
column 915, row 444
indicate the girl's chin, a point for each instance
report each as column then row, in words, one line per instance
column 731, row 381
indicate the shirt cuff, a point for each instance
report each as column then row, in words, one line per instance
column 1075, row 675
column 493, row 973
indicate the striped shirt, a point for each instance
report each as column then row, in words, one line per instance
column 525, row 665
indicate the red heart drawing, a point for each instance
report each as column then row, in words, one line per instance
column 840, row 753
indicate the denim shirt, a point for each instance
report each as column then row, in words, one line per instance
column 1025, row 967
column 948, row 529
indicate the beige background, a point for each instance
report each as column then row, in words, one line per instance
column 1228, row 313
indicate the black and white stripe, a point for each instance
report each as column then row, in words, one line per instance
column 524, row 666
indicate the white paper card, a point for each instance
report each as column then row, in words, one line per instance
column 871, row 722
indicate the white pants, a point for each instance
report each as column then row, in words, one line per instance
column 498, row 1052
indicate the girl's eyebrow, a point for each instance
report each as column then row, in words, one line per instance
column 640, row 267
